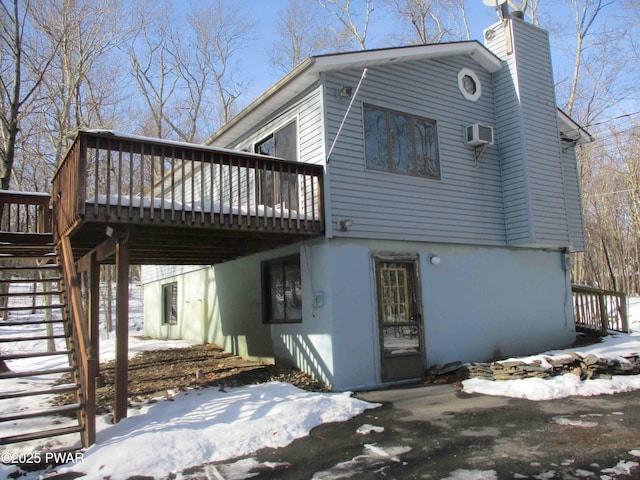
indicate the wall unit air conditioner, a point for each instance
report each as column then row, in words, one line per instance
column 476, row 135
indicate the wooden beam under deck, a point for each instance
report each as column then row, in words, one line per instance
column 161, row 245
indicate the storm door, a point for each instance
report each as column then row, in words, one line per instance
column 399, row 318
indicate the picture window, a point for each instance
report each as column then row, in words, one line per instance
column 398, row 142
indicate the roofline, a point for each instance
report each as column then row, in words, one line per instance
column 572, row 129
column 312, row 66
column 473, row 48
column 298, row 71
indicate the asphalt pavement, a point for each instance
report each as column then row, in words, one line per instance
column 439, row 432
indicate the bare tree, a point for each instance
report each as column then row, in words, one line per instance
column 154, row 63
column 221, row 31
column 301, row 34
column 342, row 10
column 585, row 13
column 81, row 89
column 17, row 86
column 432, row 21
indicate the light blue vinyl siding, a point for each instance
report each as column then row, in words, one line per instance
column 307, row 110
column 533, row 177
column 464, row 206
column 573, row 199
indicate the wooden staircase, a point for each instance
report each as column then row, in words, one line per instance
column 35, row 317
column 43, row 336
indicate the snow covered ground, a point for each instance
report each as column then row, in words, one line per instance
column 613, row 347
column 209, row 425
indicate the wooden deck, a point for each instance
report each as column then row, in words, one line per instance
column 180, row 203
column 131, row 200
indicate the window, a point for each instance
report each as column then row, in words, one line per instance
column 170, row 303
column 400, row 143
column 282, row 290
column 276, row 188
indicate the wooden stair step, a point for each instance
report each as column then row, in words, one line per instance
column 25, row 437
column 28, row 339
column 31, row 294
column 31, row 307
column 22, row 268
column 45, row 412
column 55, row 390
column 38, row 251
column 17, row 356
column 31, row 280
column 19, row 239
column 36, row 373
column 18, row 323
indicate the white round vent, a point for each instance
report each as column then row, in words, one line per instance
column 469, row 84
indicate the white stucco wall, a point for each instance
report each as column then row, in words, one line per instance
column 479, row 303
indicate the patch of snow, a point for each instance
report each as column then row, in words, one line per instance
column 462, row 474
column 635, row 453
column 203, row 426
column 239, row 470
column 583, row 473
column 373, row 456
column 546, row 475
column 622, row 468
column 573, row 423
column 366, row 429
column 553, row 388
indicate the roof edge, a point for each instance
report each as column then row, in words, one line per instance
column 298, row 71
column 572, row 130
column 334, row 61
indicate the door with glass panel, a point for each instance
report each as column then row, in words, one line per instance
column 399, row 318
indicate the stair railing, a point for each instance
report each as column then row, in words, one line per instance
column 25, row 212
column 600, row 310
column 85, row 357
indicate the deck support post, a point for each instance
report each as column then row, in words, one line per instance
column 94, row 304
column 122, row 328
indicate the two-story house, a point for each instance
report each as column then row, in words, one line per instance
column 451, row 204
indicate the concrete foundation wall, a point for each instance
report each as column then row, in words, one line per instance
column 479, row 303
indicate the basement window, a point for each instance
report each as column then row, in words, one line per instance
column 282, row 290
column 170, row 303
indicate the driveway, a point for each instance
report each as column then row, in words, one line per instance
column 439, row 432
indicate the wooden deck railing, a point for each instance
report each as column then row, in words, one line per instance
column 24, row 212
column 599, row 310
column 129, row 179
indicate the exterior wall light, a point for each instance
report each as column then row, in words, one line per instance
column 345, row 224
column 435, row 260
column 345, row 91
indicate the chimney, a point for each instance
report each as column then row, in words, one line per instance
column 528, row 134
